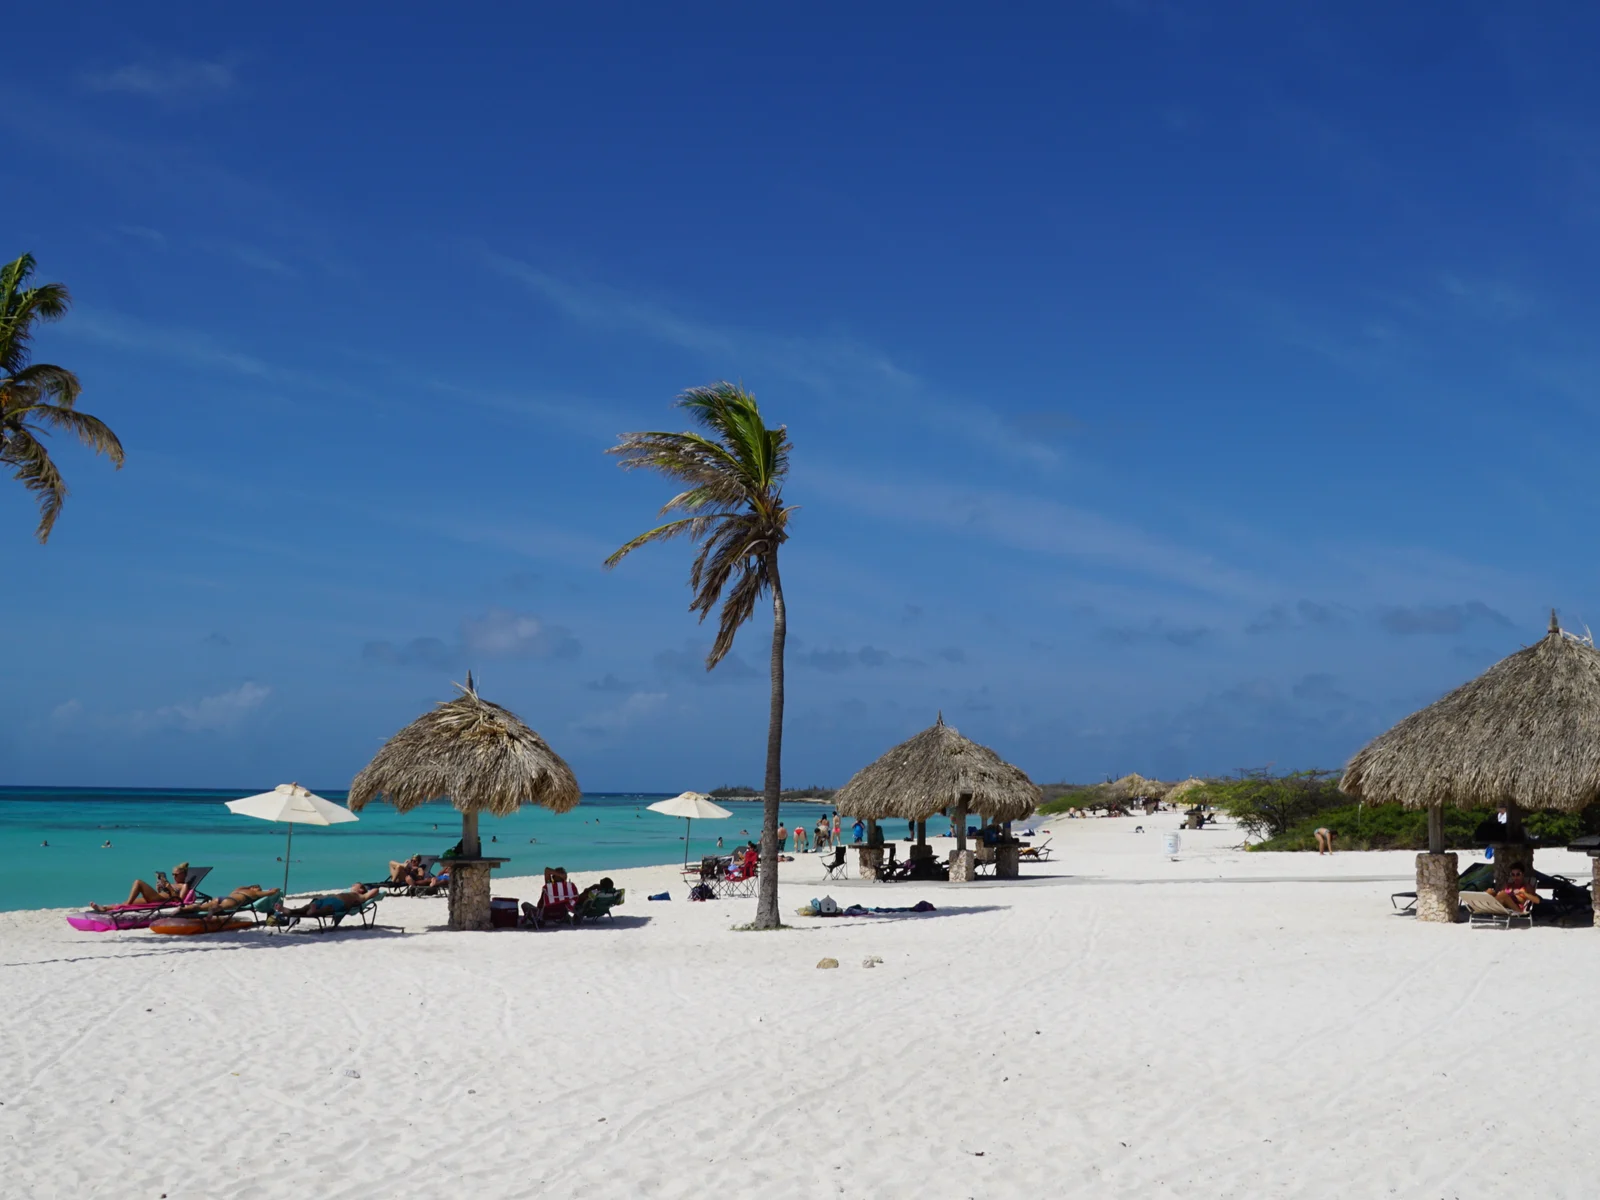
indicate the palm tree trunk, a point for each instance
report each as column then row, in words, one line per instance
column 767, row 892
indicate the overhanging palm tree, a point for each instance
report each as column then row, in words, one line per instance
column 37, row 397
column 732, row 506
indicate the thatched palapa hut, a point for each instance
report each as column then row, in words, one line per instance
column 481, row 758
column 937, row 771
column 1178, row 791
column 1524, row 734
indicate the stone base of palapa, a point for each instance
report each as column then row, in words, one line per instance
column 1438, row 892
column 868, row 861
column 963, row 865
column 469, row 892
column 1595, row 891
column 1007, row 864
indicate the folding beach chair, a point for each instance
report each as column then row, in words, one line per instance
column 598, row 904
column 1039, row 853
column 887, row 864
column 558, row 900
column 833, row 868
column 740, row 877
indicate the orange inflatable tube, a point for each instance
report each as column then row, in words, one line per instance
column 189, row 926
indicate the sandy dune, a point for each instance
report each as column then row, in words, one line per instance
column 1229, row 1025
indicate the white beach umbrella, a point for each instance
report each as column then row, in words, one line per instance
column 293, row 805
column 689, row 806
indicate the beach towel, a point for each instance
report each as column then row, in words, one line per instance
column 660, row 896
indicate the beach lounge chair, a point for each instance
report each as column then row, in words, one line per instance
column 598, row 904
column 833, row 868
column 1484, row 909
column 139, row 915
column 1039, row 853
column 367, row 912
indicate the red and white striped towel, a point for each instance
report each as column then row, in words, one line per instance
column 559, row 894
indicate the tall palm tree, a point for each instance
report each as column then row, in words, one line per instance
column 37, row 397
column 732, row 476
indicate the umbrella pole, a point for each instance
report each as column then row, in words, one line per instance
column 688, row 823
column 286, row 852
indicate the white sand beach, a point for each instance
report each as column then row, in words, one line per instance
column 1228, row 1025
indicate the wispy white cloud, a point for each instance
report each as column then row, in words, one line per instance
column 1491, row 299
column 1039, row 526
column 824, row 361
column 249, row 256
column 162, row 80
column 143, row 233
column 182, row 345
column 216, row 713
column 636, row 708
column 830, row 363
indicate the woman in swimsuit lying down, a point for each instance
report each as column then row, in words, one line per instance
column 236, row 899
column 159, row 892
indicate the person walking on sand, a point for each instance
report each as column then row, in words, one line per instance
column 1324, row 840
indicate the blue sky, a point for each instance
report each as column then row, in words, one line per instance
column 1171, row 390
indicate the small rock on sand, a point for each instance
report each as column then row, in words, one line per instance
column 827, row 964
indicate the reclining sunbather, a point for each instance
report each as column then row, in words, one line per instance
column 411, row 872
column 236, row 899
column 331, row 906
column 1518, row 894
column 162, row 891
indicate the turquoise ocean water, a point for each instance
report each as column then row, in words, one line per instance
column 150, row 830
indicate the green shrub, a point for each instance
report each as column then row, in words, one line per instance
column 1266, row 805
column 1391, row 827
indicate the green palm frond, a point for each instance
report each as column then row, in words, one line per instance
column 44, row 383
column 36, row 472
column 20, row 306
column 39, row 397
column 732, row 473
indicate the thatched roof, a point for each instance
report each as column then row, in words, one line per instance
column 1178, row 791
column 473, row 753
column 1526, row 731
column 1133, row 785
column 929, row 773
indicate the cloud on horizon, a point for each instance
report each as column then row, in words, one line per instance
column 499, row 634
column 1440, row 619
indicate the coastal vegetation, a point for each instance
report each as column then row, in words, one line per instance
column 1283, row 812
column 732, row 504
column 821, row 795
column 38, row 398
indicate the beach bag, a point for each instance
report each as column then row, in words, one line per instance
column 660, row 896
column 701, row 891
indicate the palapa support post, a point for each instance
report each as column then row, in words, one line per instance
column 1435, row 829
column 963, row 862
column 920, row 848
column 469, row 893
column 1595, row 890
column 1438, row 889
